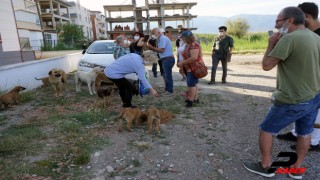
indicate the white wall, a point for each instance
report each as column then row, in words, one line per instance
column 8, row 28
column 23, row 74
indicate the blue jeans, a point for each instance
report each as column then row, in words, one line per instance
column 167, row 66
column 281, row 115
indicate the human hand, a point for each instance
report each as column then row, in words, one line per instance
column 154, row 92
column 273, row 39
column 180, row 64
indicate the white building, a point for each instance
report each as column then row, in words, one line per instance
column 99, row 25
column 81, row 16
column 9, row 39
column 28, row 24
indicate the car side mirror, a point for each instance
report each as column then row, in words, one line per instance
column 84, row 51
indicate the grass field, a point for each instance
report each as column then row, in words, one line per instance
column 252, row 43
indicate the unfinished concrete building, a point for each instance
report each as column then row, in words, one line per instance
column 53, row 13
column 142, row 17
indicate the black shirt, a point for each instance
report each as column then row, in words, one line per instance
column 221, row 46
column 134, row 48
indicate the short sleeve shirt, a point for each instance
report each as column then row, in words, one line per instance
column 223, row 45
column 298, row 73
column 165, row 43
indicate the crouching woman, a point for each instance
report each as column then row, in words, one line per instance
column 127, row 64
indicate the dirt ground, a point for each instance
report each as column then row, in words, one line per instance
column 209, row 141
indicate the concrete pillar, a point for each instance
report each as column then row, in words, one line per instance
column 188, row 13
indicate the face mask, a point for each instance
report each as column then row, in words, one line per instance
column 284, row 29
column 154, row 36
column 221, row 33
column 136, row 38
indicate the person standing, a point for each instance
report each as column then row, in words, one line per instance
column 295, row 50
column 311, row 12
column 119, row 50
column 191, row 54
column 138, row 42
column 223, row 44
column 166, row 56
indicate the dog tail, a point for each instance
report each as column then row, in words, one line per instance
column 37, row 78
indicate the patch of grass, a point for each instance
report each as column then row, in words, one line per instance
column 91, row 117
column 3, row 119
column 52, row 101
column 82, row 158
column 20, row 138
column 70, row 127
column 26, row 97
column 92, row 143
column 135, row 163
column 130, row 173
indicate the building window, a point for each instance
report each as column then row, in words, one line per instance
column 0, row 39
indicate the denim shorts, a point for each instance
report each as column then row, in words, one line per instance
column 281, row 115
column 191, row 80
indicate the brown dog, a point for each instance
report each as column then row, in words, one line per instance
column 56, row 78
column 45, row 81
column 11, row 97
column 101, row 77
column 105, row 94
column 153, row 115
column 131, row 115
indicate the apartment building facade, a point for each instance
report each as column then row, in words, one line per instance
column 99, row 26
column 81, row 16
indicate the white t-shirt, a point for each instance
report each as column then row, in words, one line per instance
column 180, row 50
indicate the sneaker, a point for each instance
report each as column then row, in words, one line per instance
column 258, row 169
column 287, row 137
column 189, row 103
column 211, row 82
column 295, row 176
column 195, row 101
column 312, row 147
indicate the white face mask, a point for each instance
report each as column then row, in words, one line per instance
column 154, row 36
column 136, row 38
column 221, row 33
column 284, row 29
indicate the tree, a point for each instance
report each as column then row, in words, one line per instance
column 238, row 27
column 70, row 34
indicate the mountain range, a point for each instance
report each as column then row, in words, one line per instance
column 210, row 24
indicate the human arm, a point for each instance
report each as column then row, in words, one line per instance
column 141, row 42
column 269, row 62
column 194, row 54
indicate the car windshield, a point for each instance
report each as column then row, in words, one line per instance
column 101, row 48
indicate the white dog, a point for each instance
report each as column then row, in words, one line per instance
column 87, row 77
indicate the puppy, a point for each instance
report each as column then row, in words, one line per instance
column 11, row 97
column 87, row 77
column 56, row 78
column 131, row 115
column 101, row 77
column 105, row 94
column 153, row 115
column 45, row 81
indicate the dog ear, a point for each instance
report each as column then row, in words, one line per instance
column 50, row 72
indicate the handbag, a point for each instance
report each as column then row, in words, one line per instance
column 198, row 68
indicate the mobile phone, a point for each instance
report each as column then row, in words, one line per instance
column 270, row 32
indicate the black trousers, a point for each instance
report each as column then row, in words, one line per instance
column 215, row 61
column 126, row 90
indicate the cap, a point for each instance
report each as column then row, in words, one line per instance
column 186, row 33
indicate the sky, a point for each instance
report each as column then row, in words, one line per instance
column 225, row 8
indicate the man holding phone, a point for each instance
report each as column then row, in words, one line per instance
column 311, row 12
